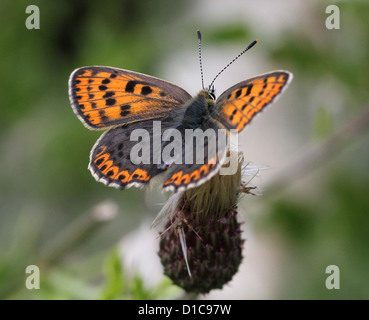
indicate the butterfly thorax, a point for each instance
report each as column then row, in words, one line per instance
column 198, row 109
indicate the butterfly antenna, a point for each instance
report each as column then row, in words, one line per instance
column 239, row 55
column 202, row 74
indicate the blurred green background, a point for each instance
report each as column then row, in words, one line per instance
column 314, row 211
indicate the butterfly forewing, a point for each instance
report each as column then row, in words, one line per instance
column 239, row 104
column 104, row 97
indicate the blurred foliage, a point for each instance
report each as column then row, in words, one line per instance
column 330, row 225
column 120, row 286
column 323, row 123
column 234, row 32
column 45, row 186
column 325, row 230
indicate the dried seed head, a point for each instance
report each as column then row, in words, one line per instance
column 214, row 251
column 201, row 245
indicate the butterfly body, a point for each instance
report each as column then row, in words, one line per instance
column 124, row 102
column 198, row 109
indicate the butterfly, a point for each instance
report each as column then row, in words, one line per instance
column 123, row 102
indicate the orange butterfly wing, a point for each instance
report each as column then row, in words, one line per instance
column 236, row 107
column 105, row 97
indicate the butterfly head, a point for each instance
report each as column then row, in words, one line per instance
column 209, row 95
column 211, row 92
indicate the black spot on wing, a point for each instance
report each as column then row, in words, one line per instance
column 146, row 90
column 249, row 88
column 265, row 83
column 125, row 107
column 130, row 87
column 110, row 102
column 125, row 113
column 103, row 117
column 109, row 94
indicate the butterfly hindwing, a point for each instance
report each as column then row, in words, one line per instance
column 104, row 97
column 111, row 159
column 204, row 164
column 239, row 104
